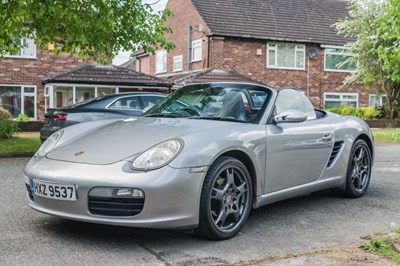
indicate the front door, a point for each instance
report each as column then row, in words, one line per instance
column 297, row 153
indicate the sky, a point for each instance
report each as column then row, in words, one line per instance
column 123, row 56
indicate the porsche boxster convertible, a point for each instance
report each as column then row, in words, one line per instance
column 202, row 158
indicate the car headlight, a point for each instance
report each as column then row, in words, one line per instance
column 158, row 155
column 49, row 144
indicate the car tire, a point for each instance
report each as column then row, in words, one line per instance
column 226, row 199
column 358, row 170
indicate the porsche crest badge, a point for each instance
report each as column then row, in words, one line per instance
column 79, row 153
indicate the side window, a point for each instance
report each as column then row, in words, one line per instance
column 150, row 100
column 258, row 98
column 126, row 103
column 290, row 99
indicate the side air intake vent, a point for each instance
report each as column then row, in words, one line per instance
column 337, row 148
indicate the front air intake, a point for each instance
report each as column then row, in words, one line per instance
column 115, row 201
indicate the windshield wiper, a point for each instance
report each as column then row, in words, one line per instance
column 218, row 118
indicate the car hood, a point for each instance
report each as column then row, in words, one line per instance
column 125, row 138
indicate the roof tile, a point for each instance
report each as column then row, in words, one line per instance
column 106, row 75
column 210, row 75
column 294, row 20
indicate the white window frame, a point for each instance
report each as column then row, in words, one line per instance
column 326, row 52
column 162, row 53
column 34, row 56
column 375, row 96
column 275, row 66
column 23, row 94
column 341, row 98
column 197, row 44
column 174, row 59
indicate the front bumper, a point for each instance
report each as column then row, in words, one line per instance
column 171, row 195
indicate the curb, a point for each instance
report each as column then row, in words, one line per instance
column 18, row 155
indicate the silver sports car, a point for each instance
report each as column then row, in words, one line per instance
column 202, row 158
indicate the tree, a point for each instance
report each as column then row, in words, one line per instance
column 90, row 28
column 375, row 25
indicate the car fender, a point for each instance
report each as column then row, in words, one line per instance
column 200, row 151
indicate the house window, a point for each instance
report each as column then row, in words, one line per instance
column 285, row 55
column 101, row 91
column 335, row 56
column 83, row 94
column 19, row 100
column 197, row 50
column 376, row 100
column 62, row 96
column 161, row 61
column 332, row 100
column 58, row 96
column 177, row 63
column 28, row 51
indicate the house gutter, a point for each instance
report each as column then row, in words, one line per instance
column 189, row 47
column 208, row 51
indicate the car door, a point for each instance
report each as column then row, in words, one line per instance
column 297, row 152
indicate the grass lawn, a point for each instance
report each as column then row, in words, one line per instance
column 385, row 245
column 19, row 145
column 387, row 135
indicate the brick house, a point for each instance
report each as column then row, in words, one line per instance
column 31, row 82
column 21, row 74
column 278, row 42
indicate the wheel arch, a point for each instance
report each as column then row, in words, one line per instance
column 246, row 160
column 367, row 139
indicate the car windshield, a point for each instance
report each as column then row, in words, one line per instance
column 218, row 101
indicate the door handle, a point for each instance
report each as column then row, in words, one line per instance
column 327, row 137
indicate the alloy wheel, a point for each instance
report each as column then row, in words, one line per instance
column 361, row 167
column 229, row 198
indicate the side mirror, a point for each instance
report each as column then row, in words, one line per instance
column 290, row 116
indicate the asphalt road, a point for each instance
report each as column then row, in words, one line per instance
column 298, row 225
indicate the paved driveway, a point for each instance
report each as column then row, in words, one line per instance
column 298, row 225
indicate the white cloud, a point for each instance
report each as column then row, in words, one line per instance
column 157, row 5
column 121, row 58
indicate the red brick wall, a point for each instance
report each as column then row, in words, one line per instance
column 143, row 64
column 18, row 71
column 185, row 15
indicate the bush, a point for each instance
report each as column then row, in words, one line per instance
column 347, row 110
column 8, row 128
column 365, row 113
column 4, row 114
column 22, row 118
column 380, row 112
column 369, row 113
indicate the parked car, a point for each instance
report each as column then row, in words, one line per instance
column 202, row 158
column 121, row 105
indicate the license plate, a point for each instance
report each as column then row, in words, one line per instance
column 53, row 190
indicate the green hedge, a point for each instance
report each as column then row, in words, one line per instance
column 8, row 127
column 366, row 113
